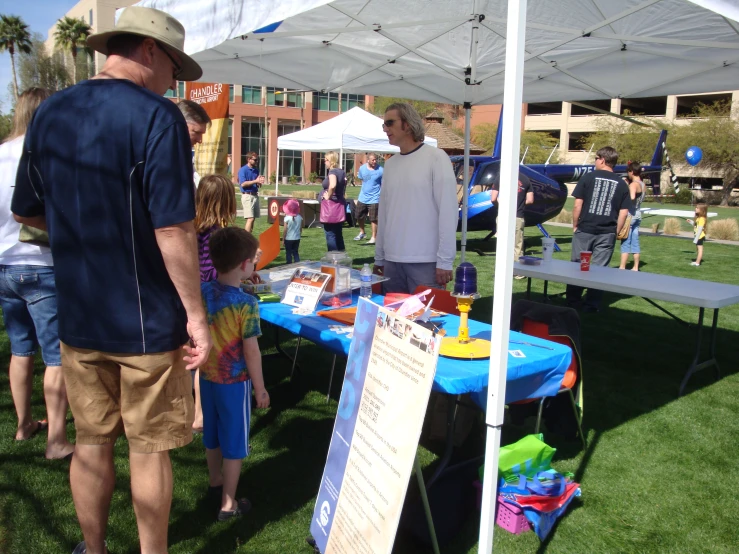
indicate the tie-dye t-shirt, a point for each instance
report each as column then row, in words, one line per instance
column 233, row 316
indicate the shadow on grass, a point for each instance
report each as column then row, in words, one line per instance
column 303, row 444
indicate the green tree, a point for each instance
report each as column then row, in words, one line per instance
column 716, row 133
column 38, row 69
column 71, row 36
column 483, row 135
column 538, row 146
column 632, row 141
column 14, row 37
column 6, row 123
column 711, row 128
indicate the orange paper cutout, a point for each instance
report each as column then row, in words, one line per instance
column 269, row 242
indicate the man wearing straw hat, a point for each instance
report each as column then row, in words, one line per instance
column 106, row 168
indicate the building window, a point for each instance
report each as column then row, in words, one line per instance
column 349, row 101
column 169, row 93
column 181, row 89
column 328, row 101
column 294, row 99
column 251, row 95
column 90, row 19
column 253, row 140
column 291, row 161
column 318, row 162
column 230, row 93
column 275, row 99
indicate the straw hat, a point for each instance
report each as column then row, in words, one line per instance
column 155, row 24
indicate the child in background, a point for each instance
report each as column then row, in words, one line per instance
column 293, row 224
column 699, row 230
column 215, row 208
column 234, row 365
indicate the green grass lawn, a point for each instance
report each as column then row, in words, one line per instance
column 658, row 474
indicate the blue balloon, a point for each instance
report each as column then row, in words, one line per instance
column 694, row 155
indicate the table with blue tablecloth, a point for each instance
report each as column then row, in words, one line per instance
column 539, row 373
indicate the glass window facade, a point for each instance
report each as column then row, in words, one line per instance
column 275, row 99
column 291, row 161
column 294, row 99
column 181, row 89
column 349, row 101
column 230, row 93
column 253, row 140
column 328, row 101
column 251, row 95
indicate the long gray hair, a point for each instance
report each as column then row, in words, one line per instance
column 409, row 114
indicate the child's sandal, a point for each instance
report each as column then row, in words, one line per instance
column 242, row 507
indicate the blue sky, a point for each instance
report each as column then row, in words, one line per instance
column 39, row 15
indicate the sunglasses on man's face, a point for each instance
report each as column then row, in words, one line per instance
column 389, row 122
column 177, row 71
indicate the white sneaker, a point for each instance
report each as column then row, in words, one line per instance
column 695, row 264
column 360, row 236
column 371, row 241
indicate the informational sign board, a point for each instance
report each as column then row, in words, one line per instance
column 211, row 154
column 389, row 373
column 305, row 288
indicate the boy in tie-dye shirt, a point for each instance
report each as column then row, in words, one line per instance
column 233, row 367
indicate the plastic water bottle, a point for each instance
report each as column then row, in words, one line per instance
column 366, row 277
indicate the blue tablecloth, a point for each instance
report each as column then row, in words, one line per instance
column 537, row 374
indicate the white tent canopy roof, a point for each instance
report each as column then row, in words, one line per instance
column 574, row 50
column 353, row 131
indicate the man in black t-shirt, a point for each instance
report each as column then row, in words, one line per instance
column 525, row 196
column 602, row 203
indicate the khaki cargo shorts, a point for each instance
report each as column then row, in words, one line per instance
column 147, row 396
column 250, row 203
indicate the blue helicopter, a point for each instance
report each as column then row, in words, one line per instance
column 547, row 180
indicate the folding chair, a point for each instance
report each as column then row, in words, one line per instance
column 535, row 319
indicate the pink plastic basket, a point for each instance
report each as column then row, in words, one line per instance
column 507, row 516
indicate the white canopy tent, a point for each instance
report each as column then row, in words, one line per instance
column 352, row 131
column 472, row 52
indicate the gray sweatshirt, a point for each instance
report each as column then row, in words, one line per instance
column 418, row 209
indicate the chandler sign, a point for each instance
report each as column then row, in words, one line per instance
column 210, row 155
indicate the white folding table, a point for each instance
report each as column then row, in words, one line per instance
column 650, row 286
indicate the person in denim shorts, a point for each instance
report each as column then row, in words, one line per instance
column 28, row 300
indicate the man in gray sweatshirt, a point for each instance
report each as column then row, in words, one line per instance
column 418, row 212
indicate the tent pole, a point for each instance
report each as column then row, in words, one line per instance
column 466, row 180
column 341, row 155
column 277, row 174
column 503, row 286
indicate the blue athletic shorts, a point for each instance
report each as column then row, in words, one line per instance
column 226, row 417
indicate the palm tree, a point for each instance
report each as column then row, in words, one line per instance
column 14, row 36
column 71, row 34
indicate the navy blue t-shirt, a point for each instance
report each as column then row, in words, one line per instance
column 108, row 162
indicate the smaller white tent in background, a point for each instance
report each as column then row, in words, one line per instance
column 353, row 131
